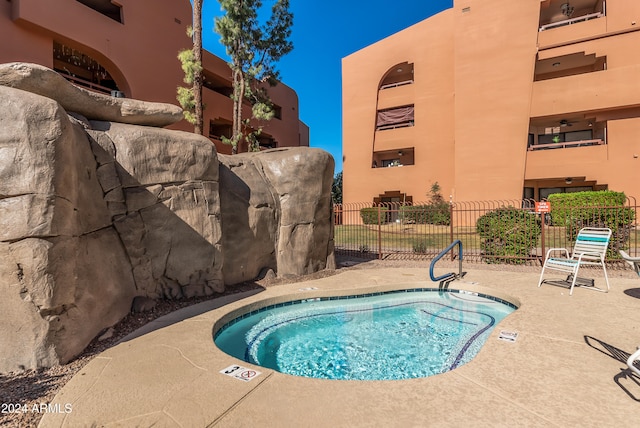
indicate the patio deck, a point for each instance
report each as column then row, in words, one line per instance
column 566, row 367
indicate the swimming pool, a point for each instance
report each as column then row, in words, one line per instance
column 392, row 335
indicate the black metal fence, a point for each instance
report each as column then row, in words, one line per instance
column 501, row 231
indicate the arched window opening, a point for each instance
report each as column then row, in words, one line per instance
column 82, row 70
column 398, row 75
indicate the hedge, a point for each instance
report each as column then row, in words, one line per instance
column 370, row 215
column 509, row 234
column 603, row 208
column 438, row 214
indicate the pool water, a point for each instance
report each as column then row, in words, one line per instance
column 384, row 336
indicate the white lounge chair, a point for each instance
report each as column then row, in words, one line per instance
column 633, row 261
column 589, row 250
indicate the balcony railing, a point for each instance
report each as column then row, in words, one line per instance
column 396, row 84
column 566, row 144
column 87, row 84
column 571, row 21
column 394, row 126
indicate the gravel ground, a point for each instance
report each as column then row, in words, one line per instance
column 30, row 389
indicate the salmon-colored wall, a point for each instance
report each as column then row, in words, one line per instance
column 19, row 44
column 495, row 49
column 476, row 101
column 140, row 53
column 428, row 45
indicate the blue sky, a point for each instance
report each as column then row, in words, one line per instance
column 324, row 32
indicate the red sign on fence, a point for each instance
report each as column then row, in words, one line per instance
column 543, row 207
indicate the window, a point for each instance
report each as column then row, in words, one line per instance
column 216, row 83
column 397, row 117
column 277, row 111
column 217, row 130
column 546, row 191
column 266, row 142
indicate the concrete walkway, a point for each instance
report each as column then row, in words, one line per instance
column 566, row 368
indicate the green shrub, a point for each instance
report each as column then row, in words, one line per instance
column 594, row 209
column 370, row 215
column 509, row 234
column 438, row 214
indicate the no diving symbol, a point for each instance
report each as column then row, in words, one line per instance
column 248, row 374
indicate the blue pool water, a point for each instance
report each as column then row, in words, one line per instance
column 381, row 336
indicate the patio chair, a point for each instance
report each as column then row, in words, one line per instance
column 589, row 250
column 633, row 261
column 631, row 362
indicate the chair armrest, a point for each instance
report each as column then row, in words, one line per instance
column 627, row 257
column 587, row 253
column 564, row 250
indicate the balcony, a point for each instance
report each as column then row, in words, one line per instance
column 82, row 70
column 565, row 21
column 568, row 65
column 571, row 21
column 568, row 133
column 592, row 91
column 393, row 158
column 397, row 117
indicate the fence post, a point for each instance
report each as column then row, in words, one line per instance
column 544, row 252
column 451, row 226
column 379, row 233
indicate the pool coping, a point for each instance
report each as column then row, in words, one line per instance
column 560, row 371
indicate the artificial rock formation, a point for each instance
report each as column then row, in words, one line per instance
column 95, row 213
column 274, row 207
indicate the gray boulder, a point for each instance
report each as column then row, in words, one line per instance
column 61, row 263
column 276, row 212
column 46, row 82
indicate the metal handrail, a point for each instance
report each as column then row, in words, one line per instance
column 448, row 277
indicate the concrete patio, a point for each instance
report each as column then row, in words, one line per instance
column 566, row 367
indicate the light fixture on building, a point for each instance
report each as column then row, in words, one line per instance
column 590, row 123
column 555, row 64
column 399, row 152
column 568, row 180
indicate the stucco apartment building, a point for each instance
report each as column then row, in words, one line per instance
column 497, row 100
column 129, row 48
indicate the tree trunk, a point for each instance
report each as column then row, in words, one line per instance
column 238, row 89
column 197, row 53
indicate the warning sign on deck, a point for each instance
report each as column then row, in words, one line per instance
column 508, row 336
column 241, row 373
